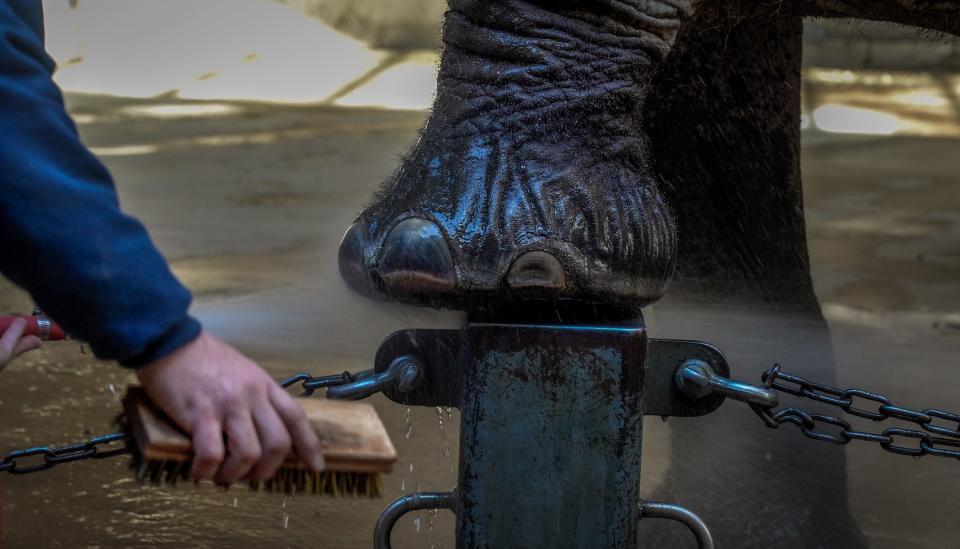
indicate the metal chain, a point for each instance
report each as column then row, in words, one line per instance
column 106, row 446
column 947, row 444
column 96, row 448
column 309, row 384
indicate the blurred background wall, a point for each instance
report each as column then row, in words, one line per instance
column 397, row 24
column 414, row 24
column 347, row 52
column 861, row 44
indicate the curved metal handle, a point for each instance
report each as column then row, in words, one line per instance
column 670, row 511
column 402, row 506
column 406, row 372
column 697, row 379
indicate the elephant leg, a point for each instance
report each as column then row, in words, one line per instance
column 530, row 180
column 725, row 138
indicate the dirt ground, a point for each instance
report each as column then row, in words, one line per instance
column 249, row 201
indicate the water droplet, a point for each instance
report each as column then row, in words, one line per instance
column 284, row 504
column 416, row 524
column 445, row 451
column 286, row 520
column 236, row 502
column 408, row 424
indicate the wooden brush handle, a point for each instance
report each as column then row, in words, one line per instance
column 351, row 434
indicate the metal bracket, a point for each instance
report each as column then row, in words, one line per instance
column 661, row 394
column 440, row 354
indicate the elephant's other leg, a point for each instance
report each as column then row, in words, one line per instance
column 530, row 180
column 725, row 137
column 724, row 129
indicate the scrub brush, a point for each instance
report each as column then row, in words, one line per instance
column 356, row 448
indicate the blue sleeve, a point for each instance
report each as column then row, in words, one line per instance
column 62, row 235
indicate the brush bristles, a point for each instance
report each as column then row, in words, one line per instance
column 158, row 472
column 328, row 483
column 288, row 480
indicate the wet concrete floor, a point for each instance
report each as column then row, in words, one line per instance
column 249, row 201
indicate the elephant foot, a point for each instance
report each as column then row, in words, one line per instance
column 504, row 227
column 530, row 181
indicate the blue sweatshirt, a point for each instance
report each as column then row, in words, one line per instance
column 63, row 238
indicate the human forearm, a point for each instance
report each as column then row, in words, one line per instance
column 62, row 234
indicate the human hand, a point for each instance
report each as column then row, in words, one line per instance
column 13, row 343
column 242, row 423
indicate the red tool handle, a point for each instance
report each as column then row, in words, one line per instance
column 39, row 326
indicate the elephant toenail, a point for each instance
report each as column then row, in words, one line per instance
column 537, row 270
column 415, row 259
column 351, row 259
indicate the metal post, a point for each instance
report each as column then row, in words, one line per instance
column 550, row 428
column 550, row 436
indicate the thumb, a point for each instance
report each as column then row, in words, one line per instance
column 9, row 341
column 25, row 344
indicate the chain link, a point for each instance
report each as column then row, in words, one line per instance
column 309, row 384
column 855, row 402
column 43, row 458
column 96, row 448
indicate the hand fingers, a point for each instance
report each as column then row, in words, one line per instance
column 243, row 448
column 9, row 339
column 27, row 343
column 304, row 438
column 274, row 441
column 207, row 449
